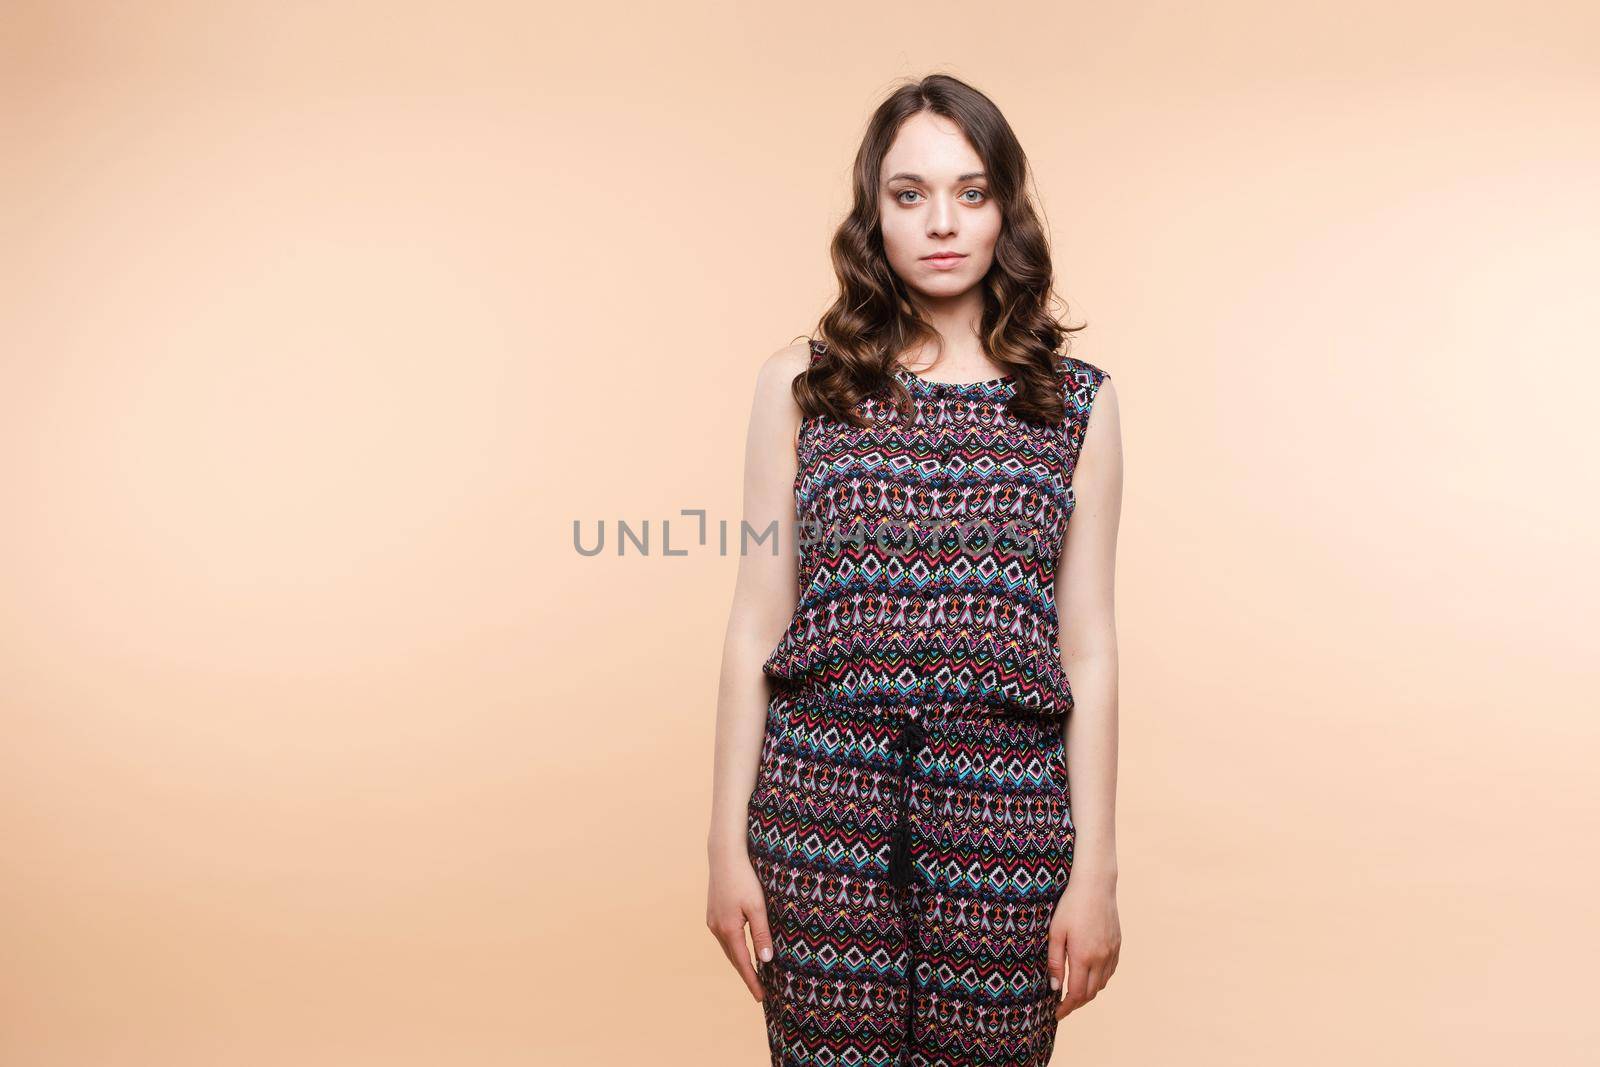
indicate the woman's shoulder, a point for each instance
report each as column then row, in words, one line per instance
column 774, row 384
column 784, row 365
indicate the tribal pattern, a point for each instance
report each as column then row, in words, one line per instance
column 911, row 823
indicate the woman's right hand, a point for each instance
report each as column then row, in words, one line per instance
column 734, row 900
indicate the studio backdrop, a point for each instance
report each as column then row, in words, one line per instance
column 332, row 333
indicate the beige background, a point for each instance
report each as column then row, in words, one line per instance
column 323, row 323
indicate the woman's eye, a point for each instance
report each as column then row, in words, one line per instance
column 977, row 198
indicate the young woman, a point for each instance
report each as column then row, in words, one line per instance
column 896, row 731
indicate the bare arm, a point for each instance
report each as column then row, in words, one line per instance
column 764, row 595
column 1086, row 579
column 764, row 598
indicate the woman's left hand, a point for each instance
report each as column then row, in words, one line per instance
column 1085, row 940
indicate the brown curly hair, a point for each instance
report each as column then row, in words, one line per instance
column 873, row 319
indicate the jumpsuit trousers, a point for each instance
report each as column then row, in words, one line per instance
column 911, row 860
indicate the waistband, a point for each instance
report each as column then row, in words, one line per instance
column 930, row 715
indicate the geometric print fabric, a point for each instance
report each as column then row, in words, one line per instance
column 911, row 823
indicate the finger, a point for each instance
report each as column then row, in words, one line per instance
column 1055, row 962
column 1104, row 970
column 1077, row 985
column 1066, row 991
column 1092, row 981
column 1108, row 969
column 738, row 953
column 761, row 933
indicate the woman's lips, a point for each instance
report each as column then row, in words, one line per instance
column 944, row 260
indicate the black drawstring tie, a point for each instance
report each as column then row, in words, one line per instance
column 912, row 739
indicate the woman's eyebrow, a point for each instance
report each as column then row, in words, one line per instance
column 906, row 176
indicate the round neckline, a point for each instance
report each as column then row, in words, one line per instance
column 935, row 383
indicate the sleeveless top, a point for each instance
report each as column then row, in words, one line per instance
column 928, row 548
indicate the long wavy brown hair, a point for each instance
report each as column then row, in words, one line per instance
column 873, row 318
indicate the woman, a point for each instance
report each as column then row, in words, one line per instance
column 891, row 813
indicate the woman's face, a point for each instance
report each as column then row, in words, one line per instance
column 939, row 223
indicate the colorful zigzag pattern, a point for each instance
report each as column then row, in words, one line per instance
column 911, row 823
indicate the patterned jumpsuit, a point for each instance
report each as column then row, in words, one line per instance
column 910, row 823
